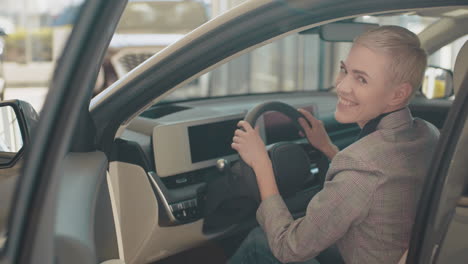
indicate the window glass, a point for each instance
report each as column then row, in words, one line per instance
column 285, row 65
column 164, row 17
column 145, row 28
column 32, row 36
column 295, row 63
column 298, row 62
column 35, row 33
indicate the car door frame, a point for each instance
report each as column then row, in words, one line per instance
column 32, row 221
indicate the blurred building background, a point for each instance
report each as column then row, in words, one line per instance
column 35, row 33
column 32, row 35
column 30, row 46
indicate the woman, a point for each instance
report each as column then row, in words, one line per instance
column 368, row 203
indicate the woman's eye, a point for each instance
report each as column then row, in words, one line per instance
column 362, row 80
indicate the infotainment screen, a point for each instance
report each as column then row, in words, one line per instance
column 211, row 141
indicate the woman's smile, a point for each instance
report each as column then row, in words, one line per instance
column 342, row 102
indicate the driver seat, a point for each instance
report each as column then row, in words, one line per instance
column 459, row 71
column 461, row 67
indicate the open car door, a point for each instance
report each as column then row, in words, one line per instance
column 43, row 227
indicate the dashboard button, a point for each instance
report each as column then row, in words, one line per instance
column 192, row 212
column 178, row 215
column 192, row 203
column 181, row 180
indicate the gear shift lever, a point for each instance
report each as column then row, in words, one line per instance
column 222, row 165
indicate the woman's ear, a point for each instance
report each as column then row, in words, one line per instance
column 401, row 94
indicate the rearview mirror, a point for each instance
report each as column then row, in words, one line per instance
column 17, row 118
column 344, row 31
column 437, row 83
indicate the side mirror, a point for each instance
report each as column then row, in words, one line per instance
column 17, row 119
column 2, row 32
column 437, row 83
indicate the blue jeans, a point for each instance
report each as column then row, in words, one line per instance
column 255, row 250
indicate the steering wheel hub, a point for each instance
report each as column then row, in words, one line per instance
column 291, row 166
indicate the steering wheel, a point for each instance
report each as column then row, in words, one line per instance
column 291, row 164
column 234, row 197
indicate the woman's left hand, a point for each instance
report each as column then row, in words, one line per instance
column 248, row 143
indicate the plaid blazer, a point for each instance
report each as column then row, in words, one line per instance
column 368, row 203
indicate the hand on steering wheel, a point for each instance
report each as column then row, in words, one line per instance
column 316, row 134
column 248, row 143
column 289, row 161
column 238, row 187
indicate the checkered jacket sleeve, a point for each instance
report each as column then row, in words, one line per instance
column 344, row 201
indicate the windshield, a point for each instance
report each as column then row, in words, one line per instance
column 162, row 17
column 299, row 62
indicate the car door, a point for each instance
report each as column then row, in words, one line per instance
column 41, row 229
column 64, row 146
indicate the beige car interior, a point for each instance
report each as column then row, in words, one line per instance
column 460, row 70
column 137, row 205
column 461, row 67
column 449, row 23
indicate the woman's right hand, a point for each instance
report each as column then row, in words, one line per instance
column 316, row 134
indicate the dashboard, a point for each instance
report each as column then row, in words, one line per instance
column 164, row 161
column 187, row 146
column 181, row 144
column 163, row 166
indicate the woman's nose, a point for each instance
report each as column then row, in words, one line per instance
column 343, row 86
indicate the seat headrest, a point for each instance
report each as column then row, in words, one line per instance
column 461, row 67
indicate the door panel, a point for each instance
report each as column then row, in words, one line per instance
column 83, row 174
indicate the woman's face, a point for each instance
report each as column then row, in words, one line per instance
column 363, row 86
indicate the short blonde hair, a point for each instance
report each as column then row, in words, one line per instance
column 409, row 59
